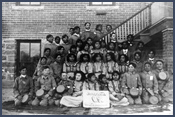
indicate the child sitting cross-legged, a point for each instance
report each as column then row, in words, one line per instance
column 23, row 86
column 116, row 98
column 46, row 84
column 65, row 88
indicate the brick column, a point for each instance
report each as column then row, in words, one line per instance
column 168, row 47
column 8, row 58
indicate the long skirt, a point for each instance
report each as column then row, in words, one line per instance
column 71, row 101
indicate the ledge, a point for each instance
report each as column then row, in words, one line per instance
column 99, row 8
column 160, row 21
column 168, row 29
column 27, row 7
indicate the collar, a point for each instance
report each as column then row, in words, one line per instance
column 47, row 42
column 113, row 41
column 159, row 70
column 151, row 59
column 122, row 63
column 57, row 62
column 57, row 44
column 115, row 81
column 136, row 61
column 23, row 76
column 147, row 72
column 132, row 73
column 87, row 29
column 97, row 31
column 89, row 81
column 43, row 77
column 63, row 80
column 77, row 81
column 75, row 34
column 46, row 56
column 125, row 51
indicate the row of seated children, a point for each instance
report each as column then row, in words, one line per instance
column 148, row 84
column 98, row 64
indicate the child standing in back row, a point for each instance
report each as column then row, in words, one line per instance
column 49, row 44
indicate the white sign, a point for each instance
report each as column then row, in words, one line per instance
column 96, row 99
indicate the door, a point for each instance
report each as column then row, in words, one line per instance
column 28, row 54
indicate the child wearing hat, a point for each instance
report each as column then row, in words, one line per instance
column 131, row 85
column 23, row 85
column 150, row 84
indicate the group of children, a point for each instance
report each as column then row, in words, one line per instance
column 83, row 61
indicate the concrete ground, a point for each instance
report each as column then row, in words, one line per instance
column 9, row 109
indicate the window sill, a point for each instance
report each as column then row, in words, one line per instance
column 97, row 8
column 28, row 7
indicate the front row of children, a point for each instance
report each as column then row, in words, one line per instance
column 125, row 89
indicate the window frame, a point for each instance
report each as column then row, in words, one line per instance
column 91, row 4
column 18, row 4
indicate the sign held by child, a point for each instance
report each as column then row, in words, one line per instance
column 96, row 99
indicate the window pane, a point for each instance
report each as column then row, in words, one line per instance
column 97, row 3
column 24, row 3
column 24, row 52
column 35, row 49
column 35, row 52
column 35, row 3
column 107, row 3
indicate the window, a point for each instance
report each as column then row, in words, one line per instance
column 28, row 6
column 102, row 3
column 28, row 3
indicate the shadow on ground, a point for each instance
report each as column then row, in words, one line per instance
column 9, row 105
column 54, row 110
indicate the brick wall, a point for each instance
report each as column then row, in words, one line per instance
column 55, row 18
column 168, row 47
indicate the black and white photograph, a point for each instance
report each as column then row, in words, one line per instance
column 87, row 58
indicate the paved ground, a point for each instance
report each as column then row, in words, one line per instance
column 9, row 109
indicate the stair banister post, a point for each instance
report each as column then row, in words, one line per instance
column 150, row 14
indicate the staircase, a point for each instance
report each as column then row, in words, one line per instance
column 135, row 25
